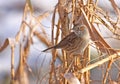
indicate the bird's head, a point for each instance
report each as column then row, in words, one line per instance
column 81, row 31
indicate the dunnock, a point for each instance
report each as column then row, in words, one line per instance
column 75, row 42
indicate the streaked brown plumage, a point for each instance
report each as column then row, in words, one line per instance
column 74, row 43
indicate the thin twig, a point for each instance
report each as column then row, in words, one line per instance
column 89, row 67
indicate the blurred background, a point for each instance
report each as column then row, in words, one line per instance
column 11, row 13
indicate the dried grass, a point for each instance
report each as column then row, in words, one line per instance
column 87, row 13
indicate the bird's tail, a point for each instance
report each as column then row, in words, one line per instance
column 48, row 49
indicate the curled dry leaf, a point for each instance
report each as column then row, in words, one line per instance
column 71, row 78
column 9, row 41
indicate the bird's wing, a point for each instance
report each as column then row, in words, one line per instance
column 67, row 41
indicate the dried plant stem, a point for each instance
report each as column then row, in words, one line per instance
column 40, row 71
column 12, row 65
column 52, row 71
column 40, row 37
column 6, row 43
column 95, row 35
column 73, row 12
column 89, row 67
column 82, row 11
column 70, row 65
column 108, row 68
column 87, row 73
column 20, row 70
column 117, row 10
column 64, row 63
column 53, row 24
column 89, row 1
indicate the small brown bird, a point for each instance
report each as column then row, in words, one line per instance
column 75, row 42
